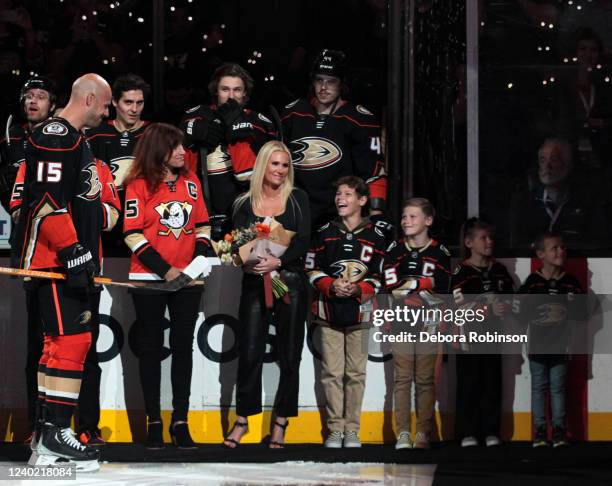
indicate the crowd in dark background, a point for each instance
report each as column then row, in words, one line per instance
column 275, row 40
column 546, row 120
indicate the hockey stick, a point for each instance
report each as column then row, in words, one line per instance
column 277, row 121
column 9, row 122
column 197, row 267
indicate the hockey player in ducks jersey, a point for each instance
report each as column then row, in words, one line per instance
column 59, row 225
column 114, row 142
column 229, row 136
column 330, row 137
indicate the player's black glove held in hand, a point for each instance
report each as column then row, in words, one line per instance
column 229, row 111
column 80, row 266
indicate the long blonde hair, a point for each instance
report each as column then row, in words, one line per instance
column 255, row 192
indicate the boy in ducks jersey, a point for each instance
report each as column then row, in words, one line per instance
column 549, row 334
column 416, row 268
column 344, row 267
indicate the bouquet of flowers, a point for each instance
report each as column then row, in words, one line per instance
column 247, row 245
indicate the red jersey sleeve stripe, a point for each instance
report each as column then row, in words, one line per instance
column 49, row 149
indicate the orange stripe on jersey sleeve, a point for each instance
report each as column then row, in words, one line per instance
column 243, row 159
column 17, row 194
column 58, row 311
column 49, row 149
column 378, row 188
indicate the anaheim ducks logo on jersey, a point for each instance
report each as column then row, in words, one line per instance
column 218, row 162
column 313, row 153
column 174, row 215
column 90, row 178
column 119, row 168
column 353, row 270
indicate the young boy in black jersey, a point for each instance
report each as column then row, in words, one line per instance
column 477, row 282
column 344, row 266
column 549, row 334
column 416, row 269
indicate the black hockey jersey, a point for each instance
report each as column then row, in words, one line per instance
column 61, row 196
column 327, row 147
column 356, row 255
column 476, row 288
column 12, row 154
column 229, row 165
column 115, row 147
column 547, row 308
column 416, row 275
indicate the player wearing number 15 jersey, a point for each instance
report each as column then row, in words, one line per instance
column 59, row 228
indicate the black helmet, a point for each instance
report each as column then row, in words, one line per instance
column 39, row 82
column 331, row 63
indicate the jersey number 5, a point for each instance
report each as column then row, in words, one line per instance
column 131, row 208
column 390, row 276
column 310, row 261
column 49, row 171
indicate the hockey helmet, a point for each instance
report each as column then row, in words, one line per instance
column 330, row 63
column 39, row 82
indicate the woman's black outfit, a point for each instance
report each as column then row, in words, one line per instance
column 289, row 318
column 183, row 307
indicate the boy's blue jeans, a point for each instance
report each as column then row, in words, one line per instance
column 548, row 372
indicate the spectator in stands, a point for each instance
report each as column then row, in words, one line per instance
column 559, row 201
column 585, row 102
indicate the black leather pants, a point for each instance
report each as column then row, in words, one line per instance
column 252, row 337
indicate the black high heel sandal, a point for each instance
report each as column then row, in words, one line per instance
column 280, row 445
column 181, row 438
column 236, row 443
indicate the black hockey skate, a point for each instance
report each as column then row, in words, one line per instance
column 60, row 446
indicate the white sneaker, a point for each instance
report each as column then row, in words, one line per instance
column 334, row 440
column 492, row 440
column 351, row 440
column 470, row 441
column 404, row 441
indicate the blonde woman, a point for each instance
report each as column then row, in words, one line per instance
column 271, row 194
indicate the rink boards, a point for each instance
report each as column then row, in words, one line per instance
column 212, row 388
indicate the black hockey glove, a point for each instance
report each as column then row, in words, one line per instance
column 241, row 129
column 229, row 111
column 216, row 133
column 195, row 130
column 80, row 266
